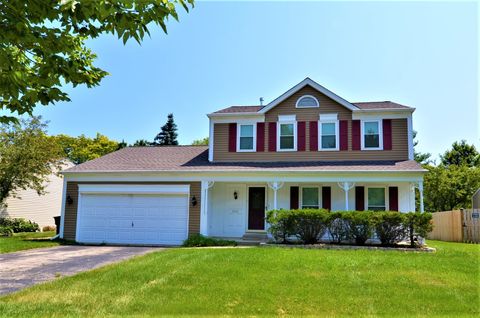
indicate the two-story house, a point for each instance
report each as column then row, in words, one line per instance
column 308, row 148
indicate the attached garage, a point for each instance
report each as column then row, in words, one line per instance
column 132, row 214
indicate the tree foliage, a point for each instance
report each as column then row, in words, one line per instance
column 82, row 148
column 168, row 135
column 461, row 154
column 43, row 44
column 450, row 187
column 422, row 158
column 28, row 157
column 200, row 142
column 142, row 143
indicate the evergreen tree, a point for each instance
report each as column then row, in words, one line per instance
column 461, row 154
column 422, row 158
column 168, row 135
column 142, row 143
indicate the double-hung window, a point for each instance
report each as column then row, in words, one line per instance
column 310, row 198
column 246, row 137
column 287, row 133
column 372, row 135
column 376, row 199
column 328, row 132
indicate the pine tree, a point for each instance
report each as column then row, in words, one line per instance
column 168, row 135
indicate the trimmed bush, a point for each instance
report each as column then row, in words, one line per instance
column 337, row 226
column 19, row 225
column 360, row 226
column 309, row 225
column 417, row 225
column 198, row 240
column 6, row 231
column 389, row 227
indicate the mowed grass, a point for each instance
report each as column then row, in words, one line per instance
column 266, row 281
column 25, row 241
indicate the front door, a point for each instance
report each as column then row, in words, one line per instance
column 256, row 208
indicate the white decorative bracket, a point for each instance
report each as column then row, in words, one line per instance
column 275, row 186
column 346, row 186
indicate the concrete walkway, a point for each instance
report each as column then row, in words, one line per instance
column 22, row 269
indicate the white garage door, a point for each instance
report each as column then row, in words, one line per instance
column 133, row 218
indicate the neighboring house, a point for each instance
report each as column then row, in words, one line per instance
column 37, row 208
column 307, row 148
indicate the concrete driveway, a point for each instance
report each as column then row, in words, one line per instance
column 22, row 269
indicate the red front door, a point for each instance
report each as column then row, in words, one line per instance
column 256, row 208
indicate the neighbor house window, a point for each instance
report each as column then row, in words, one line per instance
column 372, row 137
column 376, row 199
column 307, row 101
column 328, row 135
column 287, row 133
column 310, row 198
column 246, row 137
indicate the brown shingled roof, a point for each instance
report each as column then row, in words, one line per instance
column 239, row 109
column 380, row 105
column 195, row 158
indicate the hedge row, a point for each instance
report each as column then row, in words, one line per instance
column 8, row 226
column 309, row 225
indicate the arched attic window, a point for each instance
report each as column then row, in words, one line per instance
column 307, row 101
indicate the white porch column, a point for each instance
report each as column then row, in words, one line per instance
column 420, row 189
column 206, row 185
column 275, row 186
column 346, row 186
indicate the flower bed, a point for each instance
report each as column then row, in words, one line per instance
column 308, row 226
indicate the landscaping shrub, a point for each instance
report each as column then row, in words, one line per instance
column 281, row 224
column 198, row 240
column 310, row 225
column 337, row 226
column 389, row 227
column 417, row 225
column 6, row 231
column 48, row 228
column 360, row 225
column 19, row 225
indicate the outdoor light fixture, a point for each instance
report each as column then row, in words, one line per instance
column 194, row 201
column 69, row 200
column 235, row 195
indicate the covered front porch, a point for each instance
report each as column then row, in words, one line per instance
column 236, row 209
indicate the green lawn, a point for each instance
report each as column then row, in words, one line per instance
column 25, row 241
column 266, row 281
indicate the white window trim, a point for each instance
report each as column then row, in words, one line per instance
column 380, row 134
column 311, row 96
column 337, row 139
column 254, row 149
column 387, row 201
column 300, row 199
column 294, row 135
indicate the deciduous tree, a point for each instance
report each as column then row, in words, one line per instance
column 43, row 44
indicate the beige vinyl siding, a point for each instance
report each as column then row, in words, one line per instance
column 37, row 208
column 327, row 106
column 70, row 224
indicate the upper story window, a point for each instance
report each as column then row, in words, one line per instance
column 307, row 101
column 328, row 132
column 246, row 138
column 310, row 198
column 287, row 133
column 376, row 199
column 372, row 135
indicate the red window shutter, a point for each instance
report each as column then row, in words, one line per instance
column 260, row 137
column 232, row 137
column 301, row 129
column 272, row 136
column 313, row 135
column 387, row 134
column 343, row 134
column 327, row 198
column 393, row 198
column 359, row 198
column 356, row 135
column 293, row 197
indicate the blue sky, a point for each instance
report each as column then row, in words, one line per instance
column 422, row 54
